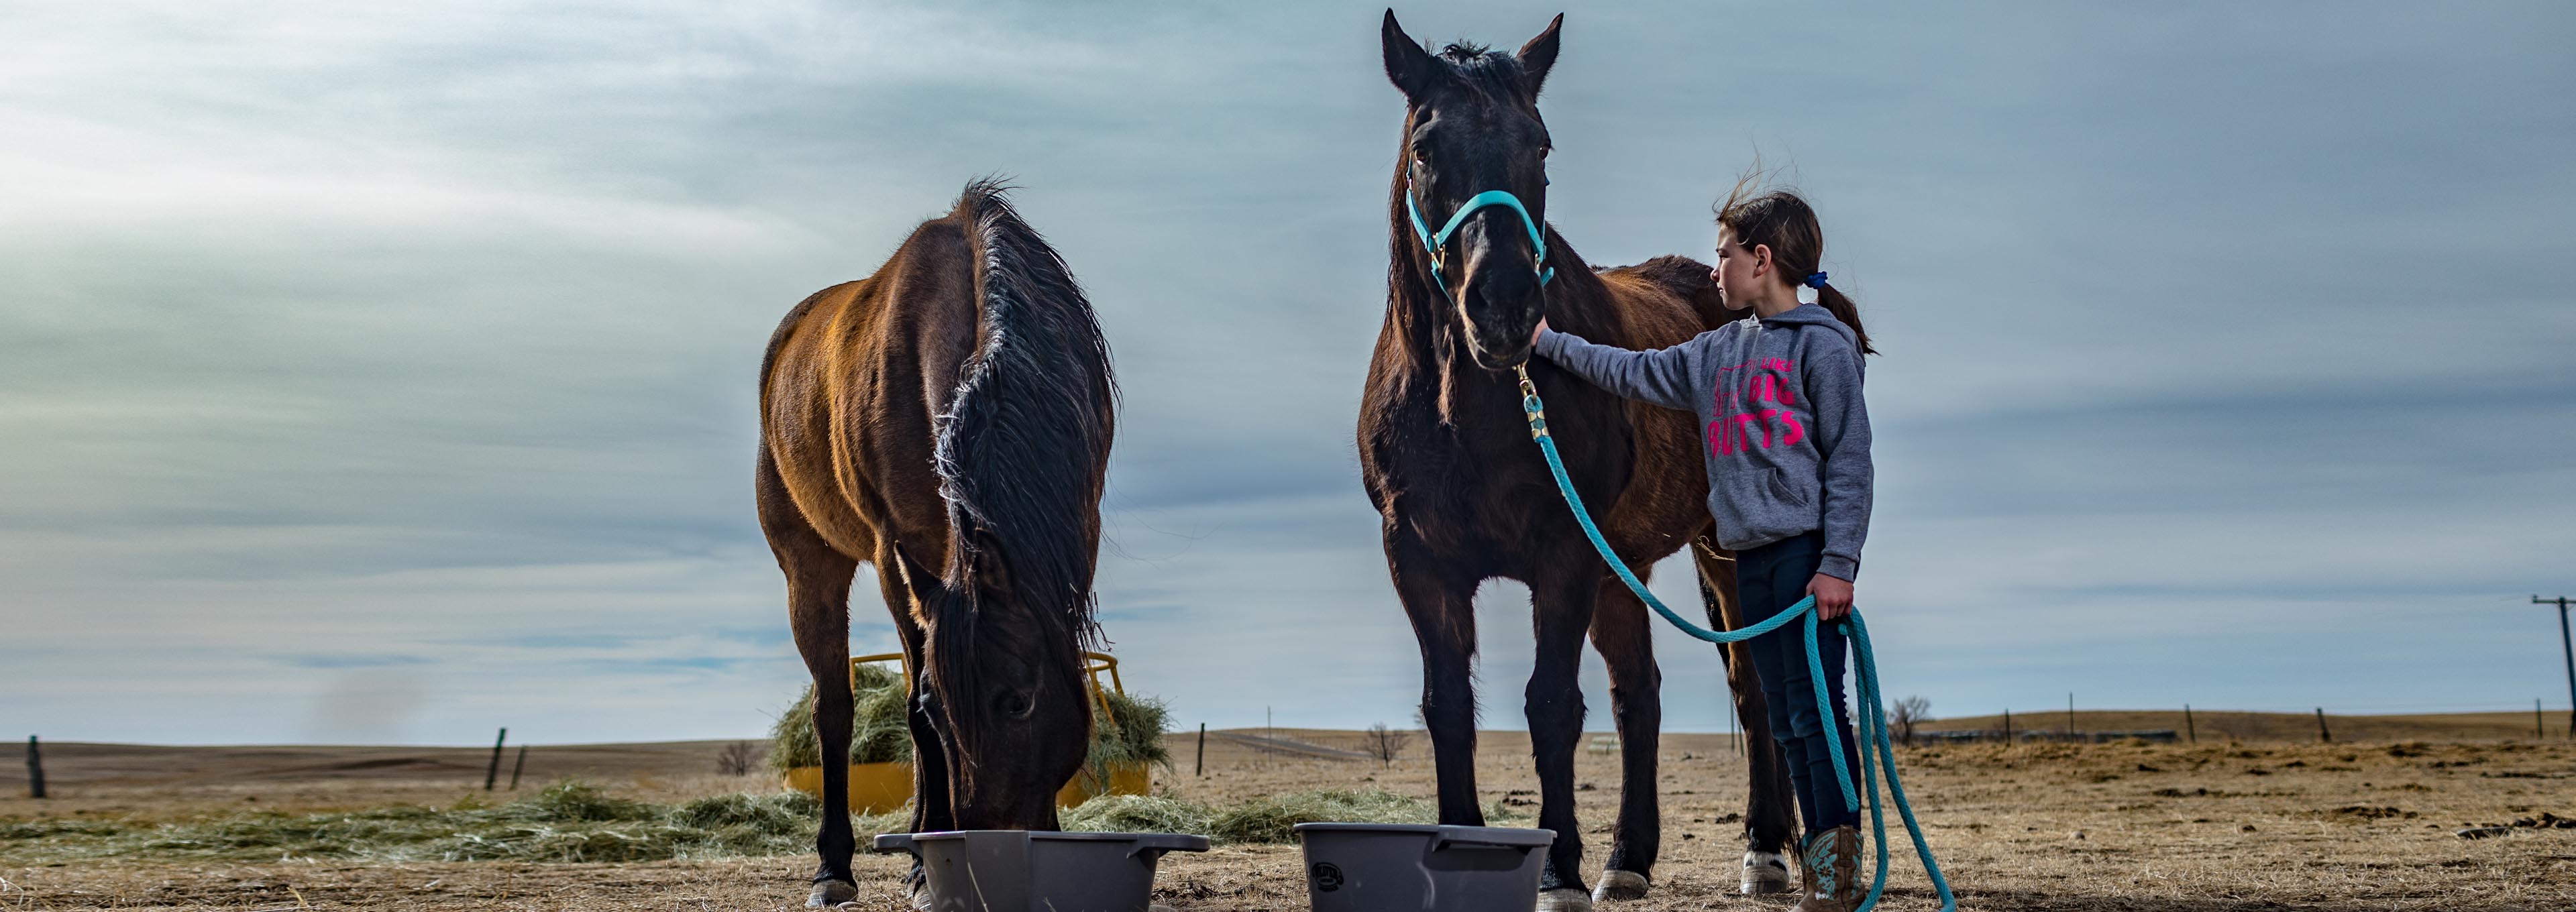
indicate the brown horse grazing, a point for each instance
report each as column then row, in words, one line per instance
column 947, row 420
column 1464, row 494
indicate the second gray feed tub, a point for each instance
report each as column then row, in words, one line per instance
column 1022, row 871
column 1382, row 867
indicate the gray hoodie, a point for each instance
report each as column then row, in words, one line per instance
column 1780, row 402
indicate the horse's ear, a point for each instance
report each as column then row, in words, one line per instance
column 1407, row 64
column 1538, row 55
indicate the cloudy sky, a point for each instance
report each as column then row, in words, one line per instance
column 386, row 373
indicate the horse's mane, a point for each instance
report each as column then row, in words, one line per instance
column 1019, row 448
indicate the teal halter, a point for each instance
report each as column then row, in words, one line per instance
column 1435, row 244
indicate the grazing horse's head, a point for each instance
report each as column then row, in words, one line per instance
column 1015, row 710
column 1471, row 127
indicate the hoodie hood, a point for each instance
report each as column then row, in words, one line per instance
column 1813, row 315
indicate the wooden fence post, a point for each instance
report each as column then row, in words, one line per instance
column 2323, row 736
column 2187, row 727
column 35, row 770
column 493, row 774
column 1199, row 767
column 2007, row 728
column 516, row 767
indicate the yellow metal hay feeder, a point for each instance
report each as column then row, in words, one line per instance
column 876, row 788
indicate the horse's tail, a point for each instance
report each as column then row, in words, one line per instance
column 1021, row 449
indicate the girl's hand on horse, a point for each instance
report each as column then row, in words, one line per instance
column 1540, row 328
column 1833, row 596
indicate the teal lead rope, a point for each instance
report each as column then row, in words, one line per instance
column 1873, row 723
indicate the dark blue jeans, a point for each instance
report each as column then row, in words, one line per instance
column 1768, row 580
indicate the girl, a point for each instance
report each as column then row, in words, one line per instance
column 1788, row 482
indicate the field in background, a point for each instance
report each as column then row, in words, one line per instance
column 2256, row 825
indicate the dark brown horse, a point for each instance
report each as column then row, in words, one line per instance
column 948, row 421
column 1465, row 495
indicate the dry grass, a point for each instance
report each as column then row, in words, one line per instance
column 2337, row 827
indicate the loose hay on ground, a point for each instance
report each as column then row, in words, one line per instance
column 566, row 822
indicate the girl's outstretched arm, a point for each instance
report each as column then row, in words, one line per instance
column 1660, row 377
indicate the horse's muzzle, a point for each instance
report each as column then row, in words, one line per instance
column 1501, row 314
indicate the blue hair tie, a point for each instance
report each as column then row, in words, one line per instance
column 1816, row 280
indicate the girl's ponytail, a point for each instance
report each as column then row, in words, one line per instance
column 1782, row 221
column 1843, row 309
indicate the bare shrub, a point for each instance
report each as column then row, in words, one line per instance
column 738, row 758
column 1385, row 743
column 1905, row 714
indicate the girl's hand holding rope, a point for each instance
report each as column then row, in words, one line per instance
column 1833, row 596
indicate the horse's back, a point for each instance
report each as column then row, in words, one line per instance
column 852, row 380
column 1668, row 284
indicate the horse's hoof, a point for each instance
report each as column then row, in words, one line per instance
column 830, row 894
column 1765, row 872
column 1618, row 885
column 1564, row 899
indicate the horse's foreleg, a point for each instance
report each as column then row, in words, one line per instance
column 1441, row 607
column 1770, row 813
column 1620, row 633
column 818, row 612
column 1561, row 610
column 900, row 579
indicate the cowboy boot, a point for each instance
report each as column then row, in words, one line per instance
column 1832, row 872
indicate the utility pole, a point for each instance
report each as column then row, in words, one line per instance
column 2570, row 652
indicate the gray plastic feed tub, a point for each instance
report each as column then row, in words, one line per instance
column 1021, row 871
column 1382, row 867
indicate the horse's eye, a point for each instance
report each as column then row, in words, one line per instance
column 1012, row 703
column 1543, row 150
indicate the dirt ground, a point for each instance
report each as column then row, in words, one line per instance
column 2364, row 826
